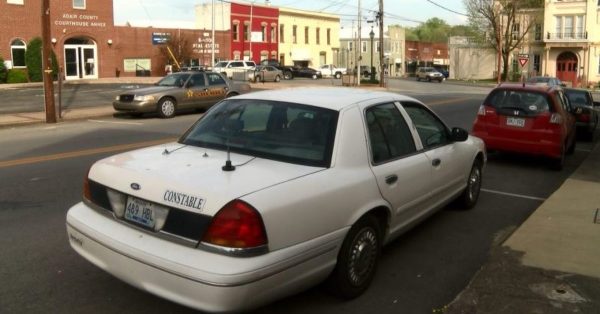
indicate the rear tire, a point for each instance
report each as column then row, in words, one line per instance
column 357, row 259
column 287, row 76
column 277, row 78
column 571, row 148
column 558, row 163
column 167, row 107
column 314, row 77
column 470, row 195
column 338, row 75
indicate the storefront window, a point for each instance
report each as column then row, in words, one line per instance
column 17, row 50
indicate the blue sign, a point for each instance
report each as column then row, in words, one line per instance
column 160, row 38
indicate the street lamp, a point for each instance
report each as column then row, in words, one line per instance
column 372, row 35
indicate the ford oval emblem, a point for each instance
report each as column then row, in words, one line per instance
column 135, row 186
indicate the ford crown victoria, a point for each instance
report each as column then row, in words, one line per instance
column 182, row 90
column 264, row 196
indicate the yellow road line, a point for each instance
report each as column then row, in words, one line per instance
column 447, row 101
column 85, row 152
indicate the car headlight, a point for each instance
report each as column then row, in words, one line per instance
column 143, row 97
column 117, row 98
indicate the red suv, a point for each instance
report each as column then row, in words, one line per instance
column 527, row 119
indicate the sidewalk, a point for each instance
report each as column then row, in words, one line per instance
column 551, row 263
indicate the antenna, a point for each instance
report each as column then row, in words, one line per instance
column 228, row 166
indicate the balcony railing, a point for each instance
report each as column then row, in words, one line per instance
column 567, row 36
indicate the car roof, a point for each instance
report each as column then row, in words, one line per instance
column 335, row 98
column 526, row 87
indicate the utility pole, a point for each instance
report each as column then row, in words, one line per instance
column 47, row 64
column 359, row 46
column 381, row 69
column 212, row 55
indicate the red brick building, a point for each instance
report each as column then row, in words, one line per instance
column 425, row 54
column 253, row 28
column 88, row 45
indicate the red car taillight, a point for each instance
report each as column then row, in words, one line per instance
column 583, row 117
column 481, row 111
column 236, row 225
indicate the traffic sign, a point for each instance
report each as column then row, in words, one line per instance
column 523, row 58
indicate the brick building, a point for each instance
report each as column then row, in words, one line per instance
column 87, row 43
column 425, row 54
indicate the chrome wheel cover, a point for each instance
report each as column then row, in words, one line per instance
column 167, row 107
column 363, row 256
column 474, row 184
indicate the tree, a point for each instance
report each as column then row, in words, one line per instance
column 180, row 48
column 507, row 23
column 3, row 71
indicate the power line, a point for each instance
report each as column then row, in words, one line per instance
column 443, row 7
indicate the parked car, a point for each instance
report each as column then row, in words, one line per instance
column 587, row 111
column 228, row 68
column 265, row 73
column 287, row 70
column 306, row 72
column 429, row 74
column 545, row 81
column 229, row 217
column 181, row 90
column 330, row 70
column 527, row 119
column 444, row 72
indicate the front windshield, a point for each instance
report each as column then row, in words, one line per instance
column 281, row 131
column 177, row 79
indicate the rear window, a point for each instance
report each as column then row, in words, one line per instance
column 526, row 102
column 281, row 131
column 578, row 98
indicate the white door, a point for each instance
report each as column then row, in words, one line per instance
column 81, row 62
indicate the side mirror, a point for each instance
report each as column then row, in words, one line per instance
column 459, row 134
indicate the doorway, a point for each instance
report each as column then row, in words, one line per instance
column 566, row 67
column 80, row 57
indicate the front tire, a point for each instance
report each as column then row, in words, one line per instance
column 314, row 77
column 167, row 107
column 288, row 76
column 277, row 78
column 338, row 75
column 357, row 259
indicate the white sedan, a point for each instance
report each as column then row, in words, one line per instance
column 273, row 192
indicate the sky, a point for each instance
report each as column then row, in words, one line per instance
column 403, row 12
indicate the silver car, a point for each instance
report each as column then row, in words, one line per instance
column 429, row 74
column 265, row 73
column 182, row 90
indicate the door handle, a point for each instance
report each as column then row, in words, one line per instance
column 391, row 179
column 436, row 162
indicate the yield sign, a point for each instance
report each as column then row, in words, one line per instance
column 523, row 58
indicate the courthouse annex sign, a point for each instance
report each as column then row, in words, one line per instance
column 81, row 20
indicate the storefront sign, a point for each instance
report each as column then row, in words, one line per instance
column 205, row 45
column 81, row 20
column 132, row 65
column 160, row 38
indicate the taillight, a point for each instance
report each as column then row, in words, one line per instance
column 236, row 225
column 583, row 117
column 481, row 111
column 556, row 118
column 87, row 194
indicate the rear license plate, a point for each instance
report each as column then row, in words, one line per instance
column 145, row 213
column 519, row 122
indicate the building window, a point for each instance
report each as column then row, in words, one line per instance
column 515, row 31
column 246, row 32
column 263, row 32
column 318, row 36
column 273, row 34
column 281, row 32
column 328, row 36
column 536, row 64
column 579, row 32
column 306, row 34
column 17, row 50
column 363, row 46
column 568, row 24
column 295, row 34
column 349, row 46
column 78, row 4
column 235, row 30
column 538, row 32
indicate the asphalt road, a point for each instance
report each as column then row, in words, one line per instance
column 41, row 172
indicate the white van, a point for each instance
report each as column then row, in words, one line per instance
column 228, row 68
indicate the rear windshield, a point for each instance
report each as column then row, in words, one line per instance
column 281, row 131
column 578, row 98
column 525, row 102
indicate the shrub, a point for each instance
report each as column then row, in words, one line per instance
column 3, row 71
column 33, row 60
column 16, row 76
